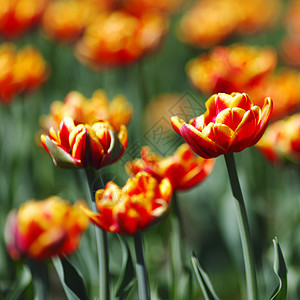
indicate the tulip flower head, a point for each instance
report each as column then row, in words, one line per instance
column 230, row 124
column 118, row 111
column 184, row 169
column 42, row 229
column 83, row 145
column 282, row 140
column 142, row 202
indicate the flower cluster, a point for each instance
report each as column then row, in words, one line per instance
column 84, row 145
column 192, row 169
column 249, row 69
column 208, row 23
column 42, row 229
column 139, row 204
column 88, row 111
column 21, row 71
column 230, row 124
column 282, row 140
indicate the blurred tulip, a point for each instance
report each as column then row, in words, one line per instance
column 31, row 70
column 282, row 140
column 183, row 168
column 83, row 145
column 229, row 69
column 65, row 20
column 230, row 124
column 163, row 6
column 120, row 38
column 88, row 111
column 207, row 23
column 284, row 89
column 8, row 86
column 42, row 229
column 18, row 16
column 142, row 202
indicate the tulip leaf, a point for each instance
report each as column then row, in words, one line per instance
column 204, row 281
column 127, row 274
column 21, row 283
column 71, row 279
column 61, row 158
column 280, row 270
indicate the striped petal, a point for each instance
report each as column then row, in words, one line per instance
column 177, row 123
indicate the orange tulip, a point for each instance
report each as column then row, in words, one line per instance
column 230, row 124
column 236, row 68
column 119, row 38
column 88, row 111
column 142, row 202
column 66, row 20
column 192, row 169
column 282, row 140
column 31, row 70
column 42, row 229
column 84, row 145
column 17, row 16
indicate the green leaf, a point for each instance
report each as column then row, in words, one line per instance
column 71, row 279
column 21, row 283
column 280, row 270
column 204, row 281
column 127, row 274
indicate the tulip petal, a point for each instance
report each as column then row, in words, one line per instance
column 177, row 123
column 264, row 119
column 222, row 135
column 200, row 143
column 61, row 158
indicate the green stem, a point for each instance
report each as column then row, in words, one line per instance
column 95, row 182
column 141, row 268
column 243, row 228
column 40, row 280
column 176, row 244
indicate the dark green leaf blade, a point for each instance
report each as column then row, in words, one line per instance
column 127, row 274
column 204, row 281
column 71, row 279
column 280, row 270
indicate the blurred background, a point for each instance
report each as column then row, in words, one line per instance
column 141, row 50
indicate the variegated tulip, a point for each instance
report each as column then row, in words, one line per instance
column 84, row 145
column 142, row 202
column 230, row 124
column 184, row 169
column 282, row 140
column 42, row 229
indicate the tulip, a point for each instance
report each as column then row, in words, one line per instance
column 192, row 169
column 118, row 111
column 42, row 229
column 282, row 140
column 84, row 145
column 230, row 124
column 142, row 202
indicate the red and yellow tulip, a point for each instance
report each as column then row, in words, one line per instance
column 230, row 124
column 42, row 229
column 142, row 202
column 83, row 145
column 82, row 110
column 184, row 169
column 282, row 140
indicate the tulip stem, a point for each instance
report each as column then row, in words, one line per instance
column 177, row 249
column 244, row 228
column 95, row 182
column 141, row 273
column 40, row 280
